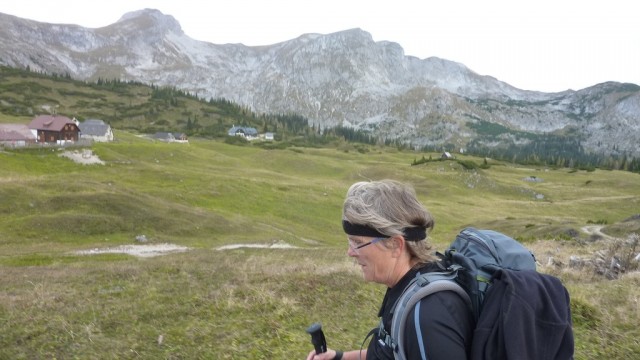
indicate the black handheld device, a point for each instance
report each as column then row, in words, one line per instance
column 317, row 338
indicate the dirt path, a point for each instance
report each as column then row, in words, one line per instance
column 596, row 230
column 149, row 250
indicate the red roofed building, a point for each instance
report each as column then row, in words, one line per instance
column 54, row 129
column 16, row 135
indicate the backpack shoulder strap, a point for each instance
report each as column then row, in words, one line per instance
column 421, row 287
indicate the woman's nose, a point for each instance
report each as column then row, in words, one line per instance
column 351, row 252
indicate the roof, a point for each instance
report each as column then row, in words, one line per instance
column 16, row 132
column 93, row 127
column 164, row 136
column 50, row 122
column 242, row 129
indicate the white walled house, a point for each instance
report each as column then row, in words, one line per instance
column 96, row 130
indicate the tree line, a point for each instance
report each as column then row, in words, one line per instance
column 213, row 117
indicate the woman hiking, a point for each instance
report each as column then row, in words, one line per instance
column 387, row 229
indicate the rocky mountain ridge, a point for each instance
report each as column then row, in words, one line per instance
column 339, row 79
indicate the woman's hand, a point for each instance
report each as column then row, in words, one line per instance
column 328, row 355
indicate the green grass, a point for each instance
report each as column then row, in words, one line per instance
column 256, row 303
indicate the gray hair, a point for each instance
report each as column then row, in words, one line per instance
column 390, row 207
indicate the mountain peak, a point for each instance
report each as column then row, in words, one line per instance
column 151, row 19
column 356, row 34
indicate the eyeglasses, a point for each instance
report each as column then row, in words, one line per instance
column 355, row 246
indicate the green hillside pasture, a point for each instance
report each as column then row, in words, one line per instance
column 122, row 105
column 43, row 94
column 255, row 303
column 559, row 203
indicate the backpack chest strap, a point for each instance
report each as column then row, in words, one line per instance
column 424, row 285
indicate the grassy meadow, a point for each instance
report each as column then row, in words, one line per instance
column 255, row 303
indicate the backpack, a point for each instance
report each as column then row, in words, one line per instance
column 474, row 261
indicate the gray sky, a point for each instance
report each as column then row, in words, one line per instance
column 543, row 45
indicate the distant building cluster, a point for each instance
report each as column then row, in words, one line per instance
column 60, row 130
column 54, row 130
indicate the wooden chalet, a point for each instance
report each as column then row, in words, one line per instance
column 54, row 129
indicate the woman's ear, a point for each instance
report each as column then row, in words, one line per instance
column 397, row 246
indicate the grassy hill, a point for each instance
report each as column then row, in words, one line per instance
column 129, row 106
column 255, row 303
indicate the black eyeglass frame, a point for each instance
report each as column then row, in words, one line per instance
column 358, row 247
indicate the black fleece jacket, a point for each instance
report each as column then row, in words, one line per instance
column 526, row 316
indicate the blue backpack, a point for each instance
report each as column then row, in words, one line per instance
column 472, row 260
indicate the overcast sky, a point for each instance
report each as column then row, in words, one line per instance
column 543, row 45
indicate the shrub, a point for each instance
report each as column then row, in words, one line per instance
column 468, row 164
column 236, row 140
